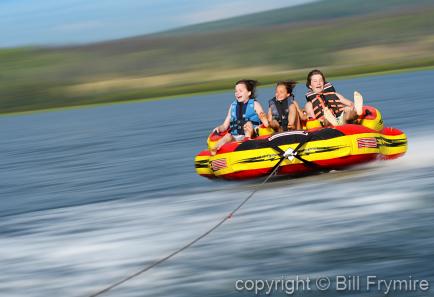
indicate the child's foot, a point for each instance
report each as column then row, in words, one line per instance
column 330, row 117
column 213, row 151
column 358, row 103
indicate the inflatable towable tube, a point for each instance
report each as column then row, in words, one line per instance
column 319, row 149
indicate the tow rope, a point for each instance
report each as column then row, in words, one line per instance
column 288, row 154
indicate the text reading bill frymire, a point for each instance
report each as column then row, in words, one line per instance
column 338, row 283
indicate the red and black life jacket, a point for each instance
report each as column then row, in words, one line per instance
column 327, row 98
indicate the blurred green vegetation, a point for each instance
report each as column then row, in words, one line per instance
column 342, row 37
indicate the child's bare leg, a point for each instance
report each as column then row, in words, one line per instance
column 329, row 118
column 248, row 129
column 350, row 114
column 275, row 125
column 225, row 139
column 358, row 103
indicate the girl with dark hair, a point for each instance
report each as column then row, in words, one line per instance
column 328, row 106
column 284, row 114
column 244, row 115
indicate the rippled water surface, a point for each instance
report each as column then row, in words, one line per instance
column 88, row 196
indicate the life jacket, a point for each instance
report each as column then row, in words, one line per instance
column 242, row 113
column 327, row 98
column 280, row 110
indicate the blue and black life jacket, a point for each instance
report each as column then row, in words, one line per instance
column 242, row 113
column 280, row 110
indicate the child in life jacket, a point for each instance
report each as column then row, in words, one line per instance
column 284, row 113
column 328, row 106
column 244, row 115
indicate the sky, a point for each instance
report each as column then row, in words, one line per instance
column 61, row 22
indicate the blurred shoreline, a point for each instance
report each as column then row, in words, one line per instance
column 193, row 92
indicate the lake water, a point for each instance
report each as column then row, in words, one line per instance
column 88, row 196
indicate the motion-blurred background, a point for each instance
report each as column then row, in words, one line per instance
column 66, row 53
column 89, row 196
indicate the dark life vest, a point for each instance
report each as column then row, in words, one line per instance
column 280, row 110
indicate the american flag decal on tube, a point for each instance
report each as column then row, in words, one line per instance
column 218, row 164
column 369, row 142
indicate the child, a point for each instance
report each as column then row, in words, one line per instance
column 331, row 108
column 244, row 115
column 284, row 113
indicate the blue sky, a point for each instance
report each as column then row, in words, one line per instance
column 42, row 22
